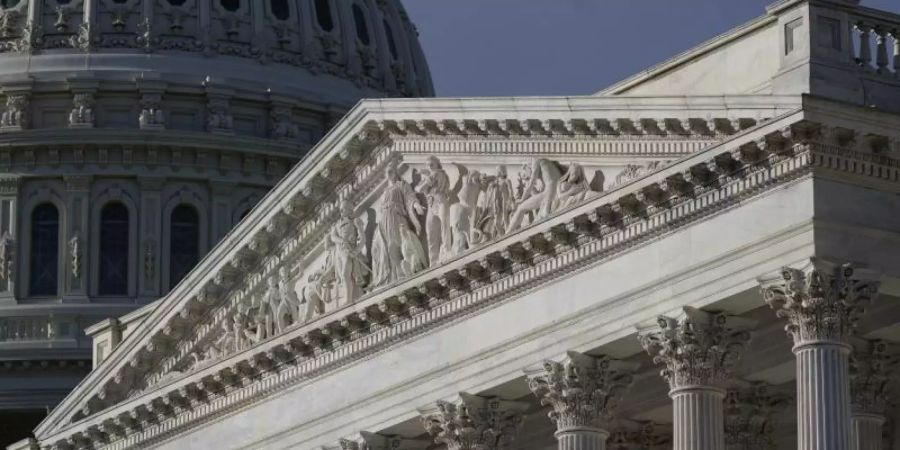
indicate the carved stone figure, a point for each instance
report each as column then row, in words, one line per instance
column 347, row 261
column 286, row 312
column 82, row 114
column 539, row 194
column 462, row 214
column 573, row 187
column 436, row 187
column 283, row 124
column 151, row 112
column 7, row 256
column 75, row 255
column 396, row 249
column 269, row 307
column 16, row 114
column 219, row 118
column 496, row 205
column 315, row 294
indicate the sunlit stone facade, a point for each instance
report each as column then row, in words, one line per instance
column 703, row 256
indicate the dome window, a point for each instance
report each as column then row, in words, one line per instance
column 114, row 234
column 231, row 5
column 184, row 242
column 280, row 9
column 392, row 44
column 44, row 265
column 176, row 2
column 362, row 28
column 63, row 2
column 323, row 15
column 121, row 2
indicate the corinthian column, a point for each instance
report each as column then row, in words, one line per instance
column 869, row 390
column 821, row 303
column 475, row 423
column 699, row 352
column 583, row 392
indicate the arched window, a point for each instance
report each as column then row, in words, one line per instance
column 231, row 5
column 323, row 14
column 44, row 250
column 392, row 44
column 184, row 242
column 114, row 233
column 280, row 9
column 362, row 28
column 176, row 2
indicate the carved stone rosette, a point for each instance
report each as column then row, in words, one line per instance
column 822, row 301
column 700, row 352
column 583, row 392
column 475, row 423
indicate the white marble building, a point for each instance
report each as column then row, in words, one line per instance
column 446, row 273
column 134, row 134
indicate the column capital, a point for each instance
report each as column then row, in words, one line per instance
column 475, row 423
column 699, row 349
column 583, row 391
column 870, row 367
column 822, row 301
column 748, row 416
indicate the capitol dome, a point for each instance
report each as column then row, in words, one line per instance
column 135, row 133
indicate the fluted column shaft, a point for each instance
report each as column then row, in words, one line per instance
column 822, row 303
column 865, row 431
column 582, row 439
column 699, row 418
column 823, row 396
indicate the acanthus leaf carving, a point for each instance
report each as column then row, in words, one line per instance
column 699, row 348
column 821, row 301
column 475, row 423
column 582, row 391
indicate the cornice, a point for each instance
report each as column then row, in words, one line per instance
column 124, row 138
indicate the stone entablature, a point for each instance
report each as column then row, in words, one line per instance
column 614, row 222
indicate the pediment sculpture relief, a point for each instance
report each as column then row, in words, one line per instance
column 411, row 226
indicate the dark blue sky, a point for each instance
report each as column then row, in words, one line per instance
column 565, row 47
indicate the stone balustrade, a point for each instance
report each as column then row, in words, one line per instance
column 876, row 42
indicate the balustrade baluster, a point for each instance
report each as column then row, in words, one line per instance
column 881, row 57
column 895, row 35
column 864, row 57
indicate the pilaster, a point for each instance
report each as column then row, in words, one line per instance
column 870, row 366
column 9, row 238
column 583, row 393
column 749, row 417
column 75, row 263
column 822, row 302
column 150, row 232
column 475, row 423
column 699, row 352
column 221, row 217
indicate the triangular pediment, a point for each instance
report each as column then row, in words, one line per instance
column 298, row 276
